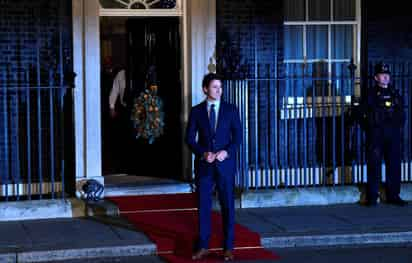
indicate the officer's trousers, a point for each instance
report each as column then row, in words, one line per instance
column 384, row 144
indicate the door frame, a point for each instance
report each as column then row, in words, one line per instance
column 198, row 36
column 181, row 12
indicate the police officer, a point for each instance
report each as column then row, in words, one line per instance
column 385, row 118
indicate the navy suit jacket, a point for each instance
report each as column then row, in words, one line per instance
column 228, row 136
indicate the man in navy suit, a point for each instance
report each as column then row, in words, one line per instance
column 214, row 134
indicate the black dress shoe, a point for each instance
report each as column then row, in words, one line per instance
column 200, row 254
column 397, row 201
column 228, row 255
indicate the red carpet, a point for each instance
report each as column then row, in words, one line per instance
column 171, row 222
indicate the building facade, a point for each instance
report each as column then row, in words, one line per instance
column 294, row 68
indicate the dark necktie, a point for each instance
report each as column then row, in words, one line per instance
column 212, row 118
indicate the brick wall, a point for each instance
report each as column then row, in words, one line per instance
column 35, row 50
column 30, row 35
column 249, row 32
column 388, row 38
column 389, row 30
column 250, row 43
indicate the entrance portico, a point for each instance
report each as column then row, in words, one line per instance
column 198, row 39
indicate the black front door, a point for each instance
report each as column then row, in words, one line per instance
column 154, row 58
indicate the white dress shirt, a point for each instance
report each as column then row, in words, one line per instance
column 217, row 105
column 119, row 85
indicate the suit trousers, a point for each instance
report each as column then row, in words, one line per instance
column 224, row 184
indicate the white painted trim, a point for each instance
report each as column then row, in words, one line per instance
column 201, row 15
column 92, row 90
column 181, row 5
column 86, row 59
column 301, row 23
column 330, row 49
column 186, row 92
column 203, row 27
column 141, row 12
column 306, row 10
column 331, row 13
column 356, row 39
column 304, row 44
column 78, row 67
column 181, row 11
column 359, row 35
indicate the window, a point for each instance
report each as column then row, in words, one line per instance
column 321, row 38
column 138, row 4
column 141, row 8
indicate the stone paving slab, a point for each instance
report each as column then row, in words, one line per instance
column 12, row 234
column 66, row 239
column 307, row 223
column 255, row 223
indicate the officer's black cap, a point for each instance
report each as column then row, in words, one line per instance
column 381, row 68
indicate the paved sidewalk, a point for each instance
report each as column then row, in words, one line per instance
column 58, row 239
column 65, row 239
column 329, row 225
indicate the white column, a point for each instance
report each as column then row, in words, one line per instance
column 201, row 43
column 86, row 51
column 92, row 90
column 186, row 91
column 202, row 15
column 78, row 50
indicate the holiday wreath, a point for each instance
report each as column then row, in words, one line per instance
column 147, row 115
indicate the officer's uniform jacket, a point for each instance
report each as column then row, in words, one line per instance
column 384, row 108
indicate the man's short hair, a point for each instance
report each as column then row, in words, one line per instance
column 209, row 78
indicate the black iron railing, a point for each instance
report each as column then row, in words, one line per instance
column 299, row 129
column 35, row 141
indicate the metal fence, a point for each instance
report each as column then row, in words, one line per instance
column 36, row 143
column 299, row 130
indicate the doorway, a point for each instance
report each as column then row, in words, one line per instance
column 140, row 52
